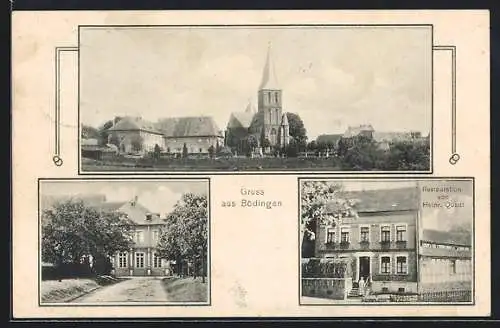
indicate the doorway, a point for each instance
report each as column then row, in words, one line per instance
column 364, row 267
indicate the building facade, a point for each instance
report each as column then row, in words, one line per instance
column 142, row 259
column 171, row 135
column 387, row 251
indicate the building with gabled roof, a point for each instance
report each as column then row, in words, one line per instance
column 388, row 248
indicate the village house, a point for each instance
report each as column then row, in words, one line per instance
column 388, row 251
column 142, row 259
column 171, row 135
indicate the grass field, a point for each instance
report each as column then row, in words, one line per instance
column 186, row 289
column 219, row 164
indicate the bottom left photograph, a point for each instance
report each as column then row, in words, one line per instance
column 124, row 241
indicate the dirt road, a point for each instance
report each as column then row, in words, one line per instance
column 137, row 289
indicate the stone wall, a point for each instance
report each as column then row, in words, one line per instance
column 332, row 288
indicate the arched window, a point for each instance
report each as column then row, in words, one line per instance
column 273, row 132
column 276, row 97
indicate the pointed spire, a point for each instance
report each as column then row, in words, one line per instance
column 250, row 108
column 269, row 80
column 284, row 120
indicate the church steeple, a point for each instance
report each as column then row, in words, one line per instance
column 269, row 80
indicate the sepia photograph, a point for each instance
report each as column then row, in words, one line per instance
column 386, row 241
column 105, row 242
column 255, row 98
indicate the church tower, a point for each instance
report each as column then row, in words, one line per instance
column 270, row 102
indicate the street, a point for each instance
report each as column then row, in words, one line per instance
column 136, row 289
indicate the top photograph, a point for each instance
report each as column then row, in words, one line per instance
column 255, row 99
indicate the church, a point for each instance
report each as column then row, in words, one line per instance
column 268, row 126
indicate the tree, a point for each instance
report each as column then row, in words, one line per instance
column 184, row 150
column 89, row 132
column 72, row 230
column 157, row 151
column 292, row 149
column 297, row 129
column 266, row 143
column 136, row 142
column 211, row 151
column 185, row 236
column 312, row 146
column 364, row 154
column 103, row 130
column 408, row 156
column 251, row 143
column 315, row 195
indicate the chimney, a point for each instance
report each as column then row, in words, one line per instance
column 134, row 201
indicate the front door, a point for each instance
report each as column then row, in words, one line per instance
column 364, row 267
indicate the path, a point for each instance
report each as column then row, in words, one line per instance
column 137, row 289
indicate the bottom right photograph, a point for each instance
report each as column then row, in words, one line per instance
column 386, row 241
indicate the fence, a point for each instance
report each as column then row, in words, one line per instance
column 325, row 268
column 446, row 296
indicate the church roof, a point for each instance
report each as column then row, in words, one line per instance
column 269, row 80
column 129, row 123
column 240, row 120
column 195, row 126
column 328, row 138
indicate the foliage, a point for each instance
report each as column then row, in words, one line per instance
column 136, row 142
column 297, row 129
column 292, row 149
column 103, row 130
column 315, row 195
column 332, row 268
column 89, row 132
column 157, row 151
column 211, row 151
column 185, row 236
column 408, row 156
column 363, row 154
column 71, row 230
column 114, row 139
column 266, row 143
column 250, row 143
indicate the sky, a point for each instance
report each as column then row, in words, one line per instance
column 332, row 77
column 157, row 196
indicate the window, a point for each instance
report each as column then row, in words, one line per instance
column 276, row 97
column 201, row 150
column 401, row 290
column 138, row 237
column 402, row 267
column 156, row 261
column 122, row 260
column 364, row 234
column 273, row 131
column 330, row 235
column 344, row 235
column 385, row 234
column 139, row 260
column 385, row 264
column 400, row 233
column 156, row 235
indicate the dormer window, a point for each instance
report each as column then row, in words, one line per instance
column 149, row 217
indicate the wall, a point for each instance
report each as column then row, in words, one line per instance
column 393, row 286
column 438, row 273
column 332, row 288
column 374, row 222
column 149, row 140
column 193, row 144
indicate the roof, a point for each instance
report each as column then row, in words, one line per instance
column 353, row 131
column 392, row 136
column 326, row 138
column 135, row 211
column 129, row 123
column 446, row 237
column 386, row 200
column 195, row 126
column 269, row 80
column 240, row 120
